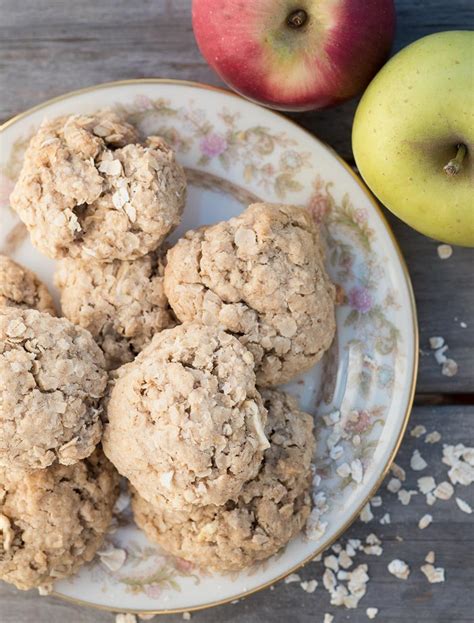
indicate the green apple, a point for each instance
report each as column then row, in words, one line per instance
column 413, row 136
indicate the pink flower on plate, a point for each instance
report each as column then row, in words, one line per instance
column 360, row 299
column 360, row 216
column 183, row 565
column 153, row 591
column 6, row 188
column 143, row 102
column 362, row 423
column 318, row 206
column 213, row 145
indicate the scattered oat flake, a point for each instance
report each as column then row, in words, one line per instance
column 399, row 569
column 329, row 580
column 343, row 470
column 433, row 574
column 376, row 501
column 450, row 368
column 426, row 484
column 385, row 520
column 146, row 617
column 436, row 342
column 444, row 251
column 293, row 577
column 430, row 498
column 371, row 612
column 344, row 559
column 440, row 356
column 425, row 521
column 187, row 616
column 464, row 506
column 430, row 557
column 373, row 550
column 328, row 618
column 418, row 431
column 366, row 514
column 309, row 585
column 394, row 485
column 330, row 562
column 398, row 471
column 417, row 462
column 405, row 496
column 112, row 557
column 125, row 618
column 444, row 490
column 463, row 325
column 373, row 539
column 433, row 437
column 357, row 471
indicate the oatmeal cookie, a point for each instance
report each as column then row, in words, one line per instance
column 261, row 276
column 185, row 420
column 89, row 189
column 122, row 304
column 51, row 380
column 54, row 520
column 20, row 287
column 270, row 510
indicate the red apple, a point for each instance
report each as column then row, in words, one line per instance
column 295, row 54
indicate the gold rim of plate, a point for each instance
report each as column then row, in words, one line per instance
column 355, row 514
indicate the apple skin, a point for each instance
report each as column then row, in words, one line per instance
column 328, row 60
column 407, row 127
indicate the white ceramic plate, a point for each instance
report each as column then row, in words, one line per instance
column 235, row 152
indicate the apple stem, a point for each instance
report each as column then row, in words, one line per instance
column 297, row 19
column 454, row 166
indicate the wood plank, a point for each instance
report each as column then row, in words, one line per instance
column 451, row 536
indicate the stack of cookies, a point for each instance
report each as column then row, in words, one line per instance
column 168, row 357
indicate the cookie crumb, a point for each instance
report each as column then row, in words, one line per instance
column 371, row 613
column 430, row 557
column 293, row 577
column 125, row 618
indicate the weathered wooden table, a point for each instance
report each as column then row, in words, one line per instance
column 48, row 47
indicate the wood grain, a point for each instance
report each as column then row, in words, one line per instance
column 451, row 536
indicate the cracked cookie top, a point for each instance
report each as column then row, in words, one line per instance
column 51, row 380
column 261, row 276
column 185, row 420
column 270, row 510
column 122, row 304
column 89, row 188
column 54, row 520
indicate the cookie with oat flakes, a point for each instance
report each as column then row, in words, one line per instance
column 261, row 276
column 90, row 188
